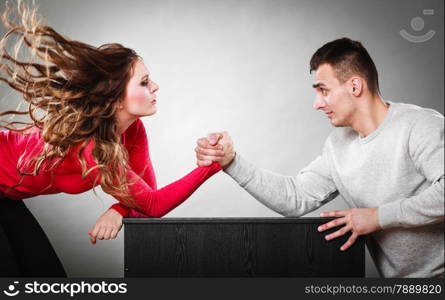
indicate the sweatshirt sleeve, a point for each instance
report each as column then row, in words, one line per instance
column 287, row 195
column 426, row 149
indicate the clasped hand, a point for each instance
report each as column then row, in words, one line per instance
column 216, row 147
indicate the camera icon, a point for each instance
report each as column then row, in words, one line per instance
column 11, row 291
column 417, row 24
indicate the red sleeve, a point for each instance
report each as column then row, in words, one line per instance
column 136, row 142
column 155, row 202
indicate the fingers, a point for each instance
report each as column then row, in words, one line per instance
column 206, row 154
column 349, row 242
column 348, row 219
column 335, row 213
column 333, row 223
column 209, row 152
column 101, row 233
column 203, row 163
column 114, row 233
column 107, row 234
column 208, row 158
column 93, row 234
column 107, row 227
column 213, row 138
column 204, row 143
column 338, row 233
column 93, row 240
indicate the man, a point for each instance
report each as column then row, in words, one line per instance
column 386, row 159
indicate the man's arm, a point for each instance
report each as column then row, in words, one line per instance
column 290, row 195
column 287, row 195
column 426, row 149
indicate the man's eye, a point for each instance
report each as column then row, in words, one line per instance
column 144, row 83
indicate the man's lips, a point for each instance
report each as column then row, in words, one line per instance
column 153, row 101
column 328, row 113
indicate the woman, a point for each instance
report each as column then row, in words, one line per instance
column 85, row 104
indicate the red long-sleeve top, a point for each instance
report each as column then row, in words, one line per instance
column 67, row 176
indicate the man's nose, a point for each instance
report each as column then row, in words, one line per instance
column 319, row 102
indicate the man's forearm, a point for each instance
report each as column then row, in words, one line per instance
column 287, row 195
column 425, row 208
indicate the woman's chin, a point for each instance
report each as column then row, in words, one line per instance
column 151, row 112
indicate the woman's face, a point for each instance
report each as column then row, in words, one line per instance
column 140, row 97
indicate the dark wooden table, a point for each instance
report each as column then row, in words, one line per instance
column 237, row 247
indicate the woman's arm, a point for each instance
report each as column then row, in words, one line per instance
column 156, row 203
column 136, row 142
column 151, row 201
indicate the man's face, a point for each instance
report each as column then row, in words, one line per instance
column 333, row 97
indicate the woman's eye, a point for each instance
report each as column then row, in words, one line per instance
column 144, row 83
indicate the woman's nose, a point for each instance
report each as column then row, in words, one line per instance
column 153, row 86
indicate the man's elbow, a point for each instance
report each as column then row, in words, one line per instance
column 298, row 207
column 293, row 209
column 292, row 213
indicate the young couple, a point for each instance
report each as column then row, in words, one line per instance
column 386, row 159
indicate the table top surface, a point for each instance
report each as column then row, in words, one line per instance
column 278, row 220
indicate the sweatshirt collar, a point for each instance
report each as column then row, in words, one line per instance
column 382, row 125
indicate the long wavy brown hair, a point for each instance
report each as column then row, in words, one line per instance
column 72, row 91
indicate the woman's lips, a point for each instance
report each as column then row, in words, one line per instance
column 329, row 113
column 153, row 101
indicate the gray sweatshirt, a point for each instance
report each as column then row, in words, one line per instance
column 398, row 168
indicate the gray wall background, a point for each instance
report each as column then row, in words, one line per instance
column 240, row 66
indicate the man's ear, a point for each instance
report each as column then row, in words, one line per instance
column 356, row 86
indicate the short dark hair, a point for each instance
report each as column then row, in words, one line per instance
column 347, row 57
